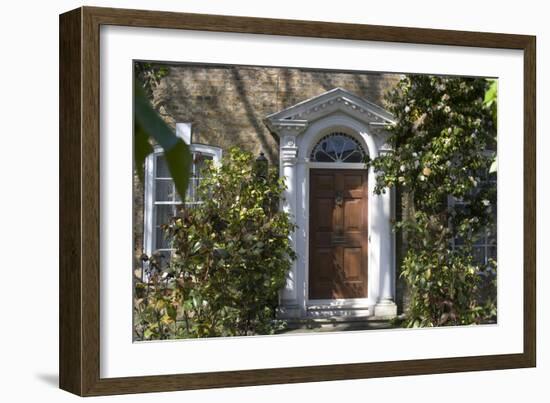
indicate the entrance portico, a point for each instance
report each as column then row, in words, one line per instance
column 344, row 240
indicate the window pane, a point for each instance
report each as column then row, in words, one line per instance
column 485, row 242
column 176, row 195
column 200, row 162
column 338, row 147
column 480, row 239
column 191, row 190
column 353, row 156
column 479, row 255
column 329, row 146
column 163, row 213
column 164, row 190
column 321, row 156
column 160, row 240
column 334, row 145
column 163, row 258
column 162, row 168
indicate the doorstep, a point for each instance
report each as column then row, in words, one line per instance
column 340, row 324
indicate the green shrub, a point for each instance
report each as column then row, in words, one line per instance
column 231, row 257
column 446, row 284
column 442, row 132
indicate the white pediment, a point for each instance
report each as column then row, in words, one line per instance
column 298, row 116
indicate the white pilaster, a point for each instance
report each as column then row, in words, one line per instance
column 291, row 299
column 288, row 154
column 385, row 306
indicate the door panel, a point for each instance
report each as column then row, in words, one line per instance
column 324, row 216
column 353, row 186
column 338, row 238
column 352, row 264
column 352, row 211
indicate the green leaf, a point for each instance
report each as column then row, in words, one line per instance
column 148, row 124
column 491, row 93
column 166, row 319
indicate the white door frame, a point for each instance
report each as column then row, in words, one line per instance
column 300, row 128
column 296, row 170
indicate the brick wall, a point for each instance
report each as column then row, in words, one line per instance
column 226, row 106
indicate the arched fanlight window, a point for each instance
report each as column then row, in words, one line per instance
column 338, row 147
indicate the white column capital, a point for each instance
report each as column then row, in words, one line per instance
column 288, row 148
column 289, row 156
column 285, row 127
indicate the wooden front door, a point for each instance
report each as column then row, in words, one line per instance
column 338, row 234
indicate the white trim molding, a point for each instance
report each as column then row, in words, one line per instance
column 299, row 128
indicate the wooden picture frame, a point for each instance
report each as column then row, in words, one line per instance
column 79, row 346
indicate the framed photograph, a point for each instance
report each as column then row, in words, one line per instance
column 249, row 201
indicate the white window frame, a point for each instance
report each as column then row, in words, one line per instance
column 149, row 233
